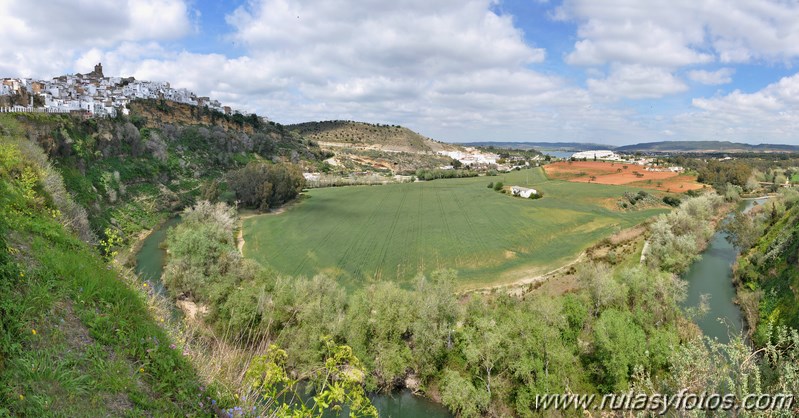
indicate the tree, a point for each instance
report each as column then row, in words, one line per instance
column 260, row 185
column 604, row 290
column 620, row 345
column 460, row 395
column 484, row 347
column 742, row 232
column 336, row 382
column 379, row 323
column 432, row 329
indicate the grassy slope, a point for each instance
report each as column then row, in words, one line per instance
column 773, row 266
column 75, row 340
column 394, row 231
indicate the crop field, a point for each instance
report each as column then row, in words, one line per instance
column 619, row 173
column 394, row 232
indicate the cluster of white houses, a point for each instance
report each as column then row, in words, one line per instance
column 606, row 155
column 597, row 155
column 472, row 156
column 94, row 94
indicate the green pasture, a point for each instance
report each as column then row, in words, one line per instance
column 393, row 232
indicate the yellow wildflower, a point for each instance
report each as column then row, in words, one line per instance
column 21, row 397
column 144, row 284
column 141, row 369
column 33, row 331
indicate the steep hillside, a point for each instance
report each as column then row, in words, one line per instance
column 769, row 272
column 368, row 136
column 129, row 173
column 75, row 340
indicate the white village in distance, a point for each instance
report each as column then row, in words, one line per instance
column 92, row 94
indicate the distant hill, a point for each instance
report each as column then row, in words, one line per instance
column 705, row 146
column 361, row 135
column 554, row 146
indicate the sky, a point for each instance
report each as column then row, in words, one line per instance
column 605, row 71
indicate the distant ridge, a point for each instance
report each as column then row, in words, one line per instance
column 661, row 146
column 554, row 146
column 705, row 147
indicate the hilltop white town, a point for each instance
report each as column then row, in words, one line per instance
column 91, row 94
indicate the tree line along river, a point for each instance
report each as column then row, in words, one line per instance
column 710, row 275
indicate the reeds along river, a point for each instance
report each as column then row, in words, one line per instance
column 711, row 275
column 150, row 264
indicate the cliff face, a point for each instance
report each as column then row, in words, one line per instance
column 160, row 112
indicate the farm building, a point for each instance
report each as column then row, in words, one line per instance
column 596, row 155
column 522, row 191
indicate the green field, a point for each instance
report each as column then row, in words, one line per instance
column 365, row 233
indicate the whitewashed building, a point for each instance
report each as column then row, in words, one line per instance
column 596, row 155
column 524, row 192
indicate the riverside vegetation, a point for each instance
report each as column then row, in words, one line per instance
column 484, row 355
column 478, row 354
column 767, row 272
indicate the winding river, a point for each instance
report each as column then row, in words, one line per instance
column 711, row 275
column 403, row 404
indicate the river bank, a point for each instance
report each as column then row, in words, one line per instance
column 711, row 286
column 150, row 259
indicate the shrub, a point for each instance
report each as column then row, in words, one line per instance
column 498, row 186
column 671, row 201
column 260, row 185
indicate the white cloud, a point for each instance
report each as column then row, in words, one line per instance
column 626, row 41
column 426, row 64
column 674, row 33
column 451, row 69
column 767, row 115
column 636, row 82
column 720, row 76
column 416, row 38
column 42, row 40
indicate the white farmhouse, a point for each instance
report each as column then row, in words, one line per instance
column 522, row 191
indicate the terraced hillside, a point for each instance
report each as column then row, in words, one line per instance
column 337, row 134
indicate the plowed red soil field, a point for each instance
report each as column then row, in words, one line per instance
column 619, row 173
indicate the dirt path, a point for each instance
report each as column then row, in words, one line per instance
column 240, row 235
column 519, row 287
